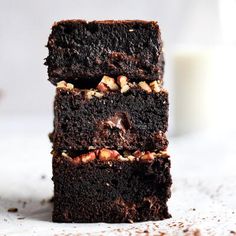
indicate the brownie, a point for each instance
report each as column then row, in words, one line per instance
column 114, row 191
column 135, row 119
column 82, row 52
column 110, row 121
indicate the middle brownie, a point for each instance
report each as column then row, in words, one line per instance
column 136, row 119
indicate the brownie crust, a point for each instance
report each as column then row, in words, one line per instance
column 110, row 191
column 135, row 120
column 82, row 52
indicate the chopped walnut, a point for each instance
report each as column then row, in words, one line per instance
column 107, row 154
column 88, row 157
column 63, row 84
column 155, row 86
column 148, row 156
column 125, row 88
column 143, row 85
column 122, row 80
column 91, row 93
column 110, row 82
column 102, row 87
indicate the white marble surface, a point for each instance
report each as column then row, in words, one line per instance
column 204, row 191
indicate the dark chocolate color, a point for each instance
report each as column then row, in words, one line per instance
column 112, row 192
column 82, row 52
column 80, row 123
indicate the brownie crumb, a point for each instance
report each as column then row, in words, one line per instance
column 24, row 204
column 196, row 232
column 43, row 201
column 43, row 176
column 162, row 234
column 12, row 209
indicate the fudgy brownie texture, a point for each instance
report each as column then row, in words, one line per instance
column 122, row 121
column 82, row 52
column 110, row 191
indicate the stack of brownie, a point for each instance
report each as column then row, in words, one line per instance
column 111, row 116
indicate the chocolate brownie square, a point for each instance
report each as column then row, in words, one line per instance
column 136, row 118
column 82, row 52
column 109, row 186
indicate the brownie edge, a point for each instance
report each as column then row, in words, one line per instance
column 110, row 191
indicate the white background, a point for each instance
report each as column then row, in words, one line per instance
column 199, row 39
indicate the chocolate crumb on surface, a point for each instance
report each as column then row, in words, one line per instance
column 43, row 201
column 24, row 204
column 43, row 176
column 12, row 209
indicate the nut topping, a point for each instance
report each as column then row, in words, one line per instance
column 91, row 93
column 63, row 84
column 131, row 158
column 102, row 87
column 65, row 154
column 77, row 160
column 107, row 154
column 98, row 95
column 88, row 157
column 155, row 86
column 143, row 85
column 122, row 80
column 125, row 88
column 121, row 158
column 138, row 154
column 148, row 156
column 110, row 82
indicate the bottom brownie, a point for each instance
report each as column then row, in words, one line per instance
column 115, row 190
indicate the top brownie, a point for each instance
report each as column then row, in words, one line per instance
column 82, row 52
